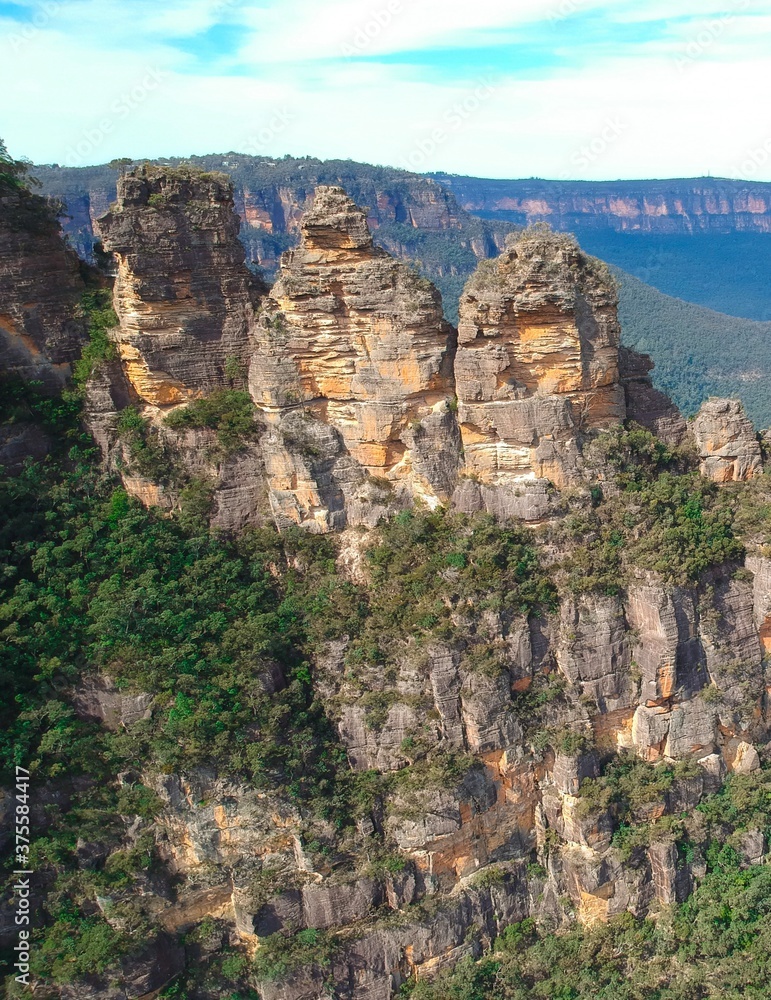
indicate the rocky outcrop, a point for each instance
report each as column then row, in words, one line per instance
column 353, row 366
column 645, row 405
column 41, row 282
column 183, row 295
column 186, row 305
column 700, row 661
column 726, row 440
column 537, row 361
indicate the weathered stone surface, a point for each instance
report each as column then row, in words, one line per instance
column 488, row 721
column 593, row 651
column 570, row 770
column 728, row 445
column 183, row 294
column 671, row 881
column 733, row 651
column 20, row 442
column 210, row 820
column 358, row 340
column 97, row 697
column 336, row 905
column 650, row 728
column 693, row 729
column 668, row 649
column 41, row 283
column 760, row 567
column 528, row 499
column 537, row 360
column 745, row 759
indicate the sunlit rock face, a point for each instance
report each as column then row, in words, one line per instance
column 538, row 360
column 183, row 295
column 352, row 353
column 728, row 445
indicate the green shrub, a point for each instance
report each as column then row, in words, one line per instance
column 149, row 457
column 96, row 309
column 229, row 412
column 280, row 956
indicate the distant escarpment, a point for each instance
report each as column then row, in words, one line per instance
column 702, row 204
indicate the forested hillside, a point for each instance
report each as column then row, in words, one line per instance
column 698, row 352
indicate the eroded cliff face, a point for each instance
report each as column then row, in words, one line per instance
column 352, row 372
column 509, row 829
column 183, row 296
column 537, row 365
column 366, row 398
column 41, row 283
column 488, row 740
column 186, row 306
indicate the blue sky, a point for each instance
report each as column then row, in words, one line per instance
column 582, row 89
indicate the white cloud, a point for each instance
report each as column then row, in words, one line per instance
column 69, row 79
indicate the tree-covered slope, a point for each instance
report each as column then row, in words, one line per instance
column 698, row 352
column 726, row 272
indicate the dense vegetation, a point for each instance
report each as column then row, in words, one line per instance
column 698, row 353
column 92, row 582
column 657, row 514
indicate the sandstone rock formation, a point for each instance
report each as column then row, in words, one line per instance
column 186, row 305
column 645, row 404
column 183, row 296
column 728, row 445
column 365, row 400
column 537, row 361
column 353, row 364
column 40, row 287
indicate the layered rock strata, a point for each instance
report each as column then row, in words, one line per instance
column 728, row 446
column 537, row 365
column 516, row 834
column 183, row 295
column 367, row 398
column 354, row 374
column 41, row 283
column 352, row 365
column 186, row 305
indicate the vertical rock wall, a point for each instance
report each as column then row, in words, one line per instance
column 183, row 296
column 537, row 364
